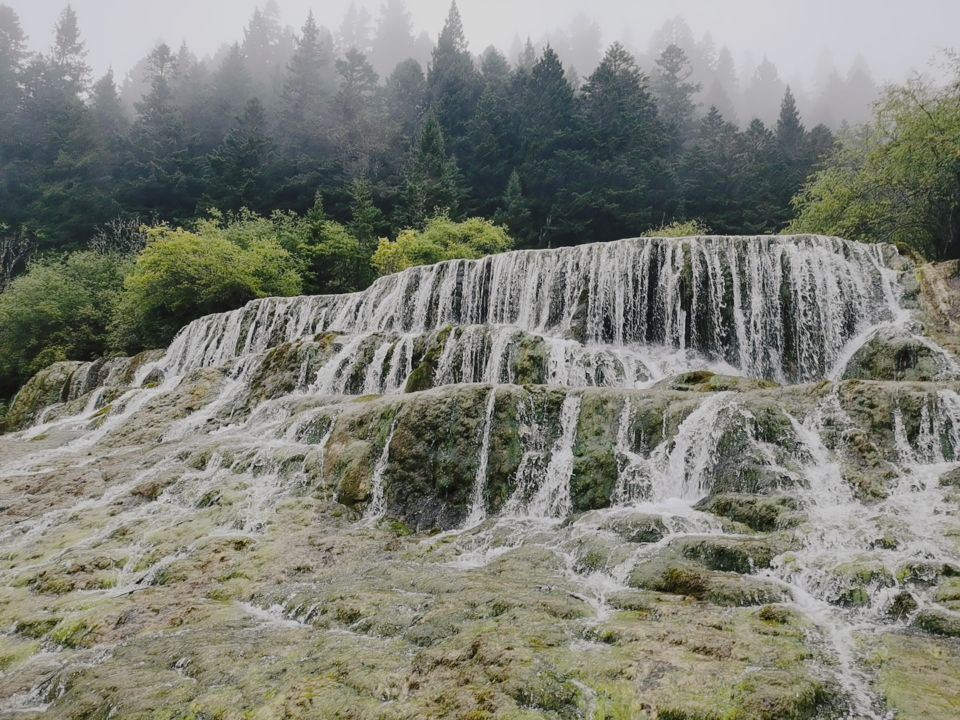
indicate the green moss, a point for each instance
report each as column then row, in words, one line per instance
column 73, row 634
column 35, row 629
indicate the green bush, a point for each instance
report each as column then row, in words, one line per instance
column 442, row 239
column 183, row 275
column 59, row 309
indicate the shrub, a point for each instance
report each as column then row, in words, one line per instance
column 183, row 275
column 442, row 239
column 59, row 309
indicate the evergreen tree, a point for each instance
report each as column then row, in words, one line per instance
column 237, row 170
column 764, row 92
column 161, row 177
column 393, row 40
column 761, row 166
column 514, row 212
column 791, row 135
column 355, row 30
column 306, row 146
column 263, row 50
column 674, row 93
column 231, row 88
column 68, row 60
column 367, row 223
column 546, row 113
column 107, row 110
column 708, row 174
column 306, row 85
column 723, row 91
column 12, row 57
column 452, row 82
column 356, row 112
column 433, row 185
column 620, row 136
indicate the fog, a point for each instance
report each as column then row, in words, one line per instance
column 893, row 37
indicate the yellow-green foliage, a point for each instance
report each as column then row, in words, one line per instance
column 441, row 239
column 183, row 275
column 679, row 228
column 58, row 309
column 895, row 180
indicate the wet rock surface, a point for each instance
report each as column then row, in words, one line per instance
column 260, row 522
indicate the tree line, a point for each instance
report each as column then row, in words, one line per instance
column 278, row 120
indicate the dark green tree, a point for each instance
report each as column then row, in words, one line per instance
column 453, row 84
column 237, row 170
column 675, row 94
column 432, row 184
column 620, row 136
column 162, row 178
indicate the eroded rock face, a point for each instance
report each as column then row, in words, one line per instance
column 308, row 508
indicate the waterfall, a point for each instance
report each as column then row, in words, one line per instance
column 552, row 499
column 478, row 499
column 784, row 307
column 378, row 500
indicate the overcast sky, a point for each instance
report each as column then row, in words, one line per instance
column 894, row 36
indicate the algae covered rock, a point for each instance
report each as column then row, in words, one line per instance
column 895, row 355
column 48, row 387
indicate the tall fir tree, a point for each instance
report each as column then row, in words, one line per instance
column 162, row 179
column 433, row 184
column 305, row 145
column 453, row 84
column 621, row 134
column 357, row 113
column 393, row 40
column 236, row 174
column 675, row 93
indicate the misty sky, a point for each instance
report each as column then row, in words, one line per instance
column 894, row 37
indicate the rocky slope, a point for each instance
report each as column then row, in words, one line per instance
column 696, row 478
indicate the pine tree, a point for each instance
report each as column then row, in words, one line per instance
column 161, row 176
column 355, row 30
column 367, row 223
column 452, row 82
column 262, row 49
column 393, row 40
column 620, row 136
column 514, row 212
column 547, row 128
column 761, row 168
column 306, row 146
column 791, row 134
column 357, row 112
column 674, row 93
column 231, row 88
column 106, row 108
column 708, row 177
column 236, row 171
column 68, row 59
column 12, row 59
column 764, row 92
column 306, row 85
column 433, row 184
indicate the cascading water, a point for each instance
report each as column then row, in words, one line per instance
column 620, row 316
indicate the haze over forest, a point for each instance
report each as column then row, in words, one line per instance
column 832, row 55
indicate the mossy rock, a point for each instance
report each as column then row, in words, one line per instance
column 719, row 588
column 762, row 513
column 938, row 622
column 48, row 387
column 896, row 356
column 739, row 555
column 637, row 527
